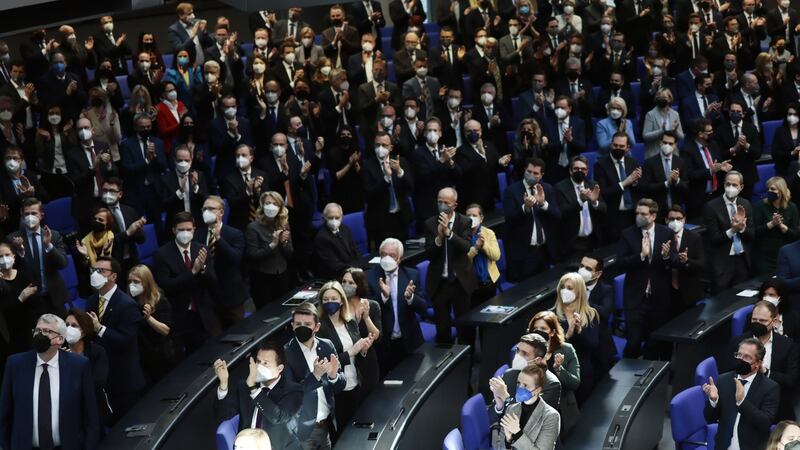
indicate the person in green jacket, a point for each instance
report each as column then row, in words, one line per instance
column 776, row 220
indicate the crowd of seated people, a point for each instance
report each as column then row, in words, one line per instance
column 153, row 194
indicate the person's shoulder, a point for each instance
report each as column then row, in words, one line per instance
column 20, row 360
column 326, row 343
column 74, row 359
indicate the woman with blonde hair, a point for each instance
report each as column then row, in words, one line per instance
column 658, row 120
column 155, row 344
column 322, row 76
column 140, row 102
column 529, row 143
column 562, row 361
column 99, row 241
column 785, row 436
column 337, row 324
column 105, row 121
column 776, row 219
column 268, row 247
column 616, row 121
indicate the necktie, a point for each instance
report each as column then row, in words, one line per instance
column 291, row 29
column 737, row 240
column 537, row 223
column 563, row 157
column 667, row 174
column 449, row 54
column 102, row 302
column 212, row 241
column 743, row 381
column 37, row 258
column 395, row 303
column 736, row 132
column 273, row 118
column 45, row 419
column 626, row 193
column 705, row 105
column 586, row 224
column 187, row 262
column 119, row 218
column 675, row 273
column 710, row 164
column 5, row 73
column 574, row 87
column 393, row 206
column 97, row 179
column 696, row 45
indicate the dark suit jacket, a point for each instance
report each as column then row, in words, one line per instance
column 172, row 204
column 278, row 407
column 14, row 200
column 454, row 249
column 83, row 177
column 77, row 412
column 376, row 193
column 135, row 170
column 717, row 220
column 604, row 96
column 757, row 411
column 607, row 176
column 691, row 287
column 495, row 133
column 179, row 39
column 121, row 339
column 369, row 109
column 776, row 27
column 400, row 18
column 555, row 146
column 224, row 144
column 231, row 290
column 551, row 392
column 782, row 147
column 363, row 22
column 349, row 41
column 54, row 261
column 297, row 371
column 570, row 224
column 699, row 175
column 436, row 174
column 690, row 110
column 407, row 312
column 403, row 65
column 449, row 74
column 519, row 224
column 333, row 253
column 654, row 177
column 745, row 160
column 784, row 367
column 653, row 270
column 478, row 181
column 52, row 91
column 280, row 31
column 234, row 191
column 327, row 330
column 104, row 48
column 331, row 119
column 122, row 241
column 789, row 265
column 232, row 70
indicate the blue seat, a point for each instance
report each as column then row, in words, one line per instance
column 227, row 212
column 502, row 284
column 475, row 424
column 516, row 111
column 453, row 440
column 641, row 71
column 422, row 268
column 765, row 172
column 619, row 283
column 58, row 215
column 738, row 320
column 502, row 184
column 147, row 248
column 707, row 368
column 226, row 433
column 70, row 277
column 124, row 89
column 467, row 89
column 431, row 27
column 769, row 134
column 360, row 136
column 511, row 136
column 390, row 71
column 355, row 221
column 595, row 92
column 318, row 39
column 501, row 370
column 247, row 47
column 168, row 60
column 386, row 49
column 433, row 38
column 386, row 32
column 635, row 88
column 592, row 157
column 689, row 428
column 129, row 63
column 89, row 73
column 637, row 151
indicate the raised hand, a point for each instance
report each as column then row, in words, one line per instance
column 665, row 248
column 333, row 366
column 320, row 367
column 409, row 292
column 221, row 371
column 710, row 389
column 384, row 287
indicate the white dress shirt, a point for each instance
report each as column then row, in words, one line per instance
column 323, row 410
column 391, row 280
column 55, row 381
column 735, row 438
column 350, row 374
column 729, row 232
column 544, row 207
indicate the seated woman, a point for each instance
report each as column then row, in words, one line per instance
column 367, row 314
column 615, row 122
column 79, row 338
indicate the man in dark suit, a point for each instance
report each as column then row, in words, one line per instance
column 532, row 216
column 701, row 103
column 387, row 182
column 688, row 262
column 184, row 270
column 756, row 106
column 619, row 177
column 189, row 33
column 583, row 211
column 782, row 22
column 664, row 176
column 479, row 164
column 396, row 286
column 453, row 119
column 59, row 87
column 31, row 380
column 367, row 17
column 401, row 12
column 409, row 132
column 271, row 116
column 334, row 248
column 228, row 54
column 636, row 20
column 336, row 106
column 289, row 27
column 182, row 189
column 450, row 278
column 312, row 362
column 424, row 88
column 374, row 95
column 35, row 51
column 107, row 45
column 445, row 60
column 266, row 399
column 225, row 246
column 566, row 134
column 740, row 143
column 286, row 71
column 142, row 162
column 780, row 360
column 228, row 131
column 729, row 227
column 530, row 350
column 115, row 317
column 130, row 226
column 341, row 39
column 705, row 167
column 789, row 266
column 88, row 165
column 263, row 19
column 644, row 255
column 493, row 117
column 404, row 58
column 684, row 81
column 360, row 63
column 733, row 39
column 744, row 401
column 16, row 185
column 616, row 87
column 242, row 188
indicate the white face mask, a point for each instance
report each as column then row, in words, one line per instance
column 567, row 296
column 432, row 137
column 561, row 113
column 731, row 192
column 264, row 374
column 307, row 43
column 261, row 43
column 586, row 274
column 184, row 237
column 31, row 221
column 487, row 98
column 6, row 262
column 569, row 9
column 84, row 134
column 54, row 119
column 772, row 299
column 666, row 149
column 513, row 30
column 272, row 97
column 675, row 225
column 230, row 112
column 785, row 4
column 289, row 58
column 482, row 41
column 12, row 165
column 73, row 335
column 333, row 224
column 411, row 113
column 615, row 113
column 792, row 119
column 109, row 198
column 183, row 166
column 422, row 72
column 243, row 162
column 135, row 289
column 144, row 65
column 97, row 280
column 270, row 210
column 108, row 27
column 453, row 102
column 519, row 362
column 172, row 95
column 278, row 151
column 694, row 28
column 388, row 264
column 6, row 115
column 209, row 217
column 605, row 28
column 210, row 78
column 381, row 152
column 344, row 86
column 476, row 221
column 367, row 46
column 259, row 68
column 326, row 70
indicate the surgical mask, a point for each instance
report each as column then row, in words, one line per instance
column 586, row 274
column 657, row 71
column 476, row 221
column 785, row 4
column 367, row 46
column 487, row 98
column 59, row 67
column 210, row 78
column 569, row 9
column 135, row 289
column 432, row 137
column 54, row 119
column 278, row 151
column 289, row 58
column 444, row 208
column 422, row 72
column 411, row 113
column 453, row 102
column 230, row 112
column 387, row 122
column 741, row 367
column 31, row 221
column 209, row 217
column 666, row 149
column 772, row 299
column 694, row 28
column 473, row 137
column 675, row 225
column 183, row 166
column 184, row 237
column 344, row 86
column 326, row 70
column 333, row 224
column 350, row 291
column 729, row 65
column 270, row 210
column 6, row 115
column 561, row 113
column 303, row 333
column 264, row 374
column 85, row 134
column 41, row 343
column 272, row 97
column 530, row 179
column 332, row 307
column 242, row 162
column 522, row 395
column 183, row 60
column 575, row 48
column 190, row 17
column 641, row 221
column 172, row 95
column 524, row 9
column 97, row 280
column 109, row 198
column 261, row 42
column 381, row 152
column 792, row 119
column 12, row 165
column 567, row 296
column 108, row 27
column 73, row 335
column 605, row 28
column 519, row 362
column 72, row 38
column 388, row 264
column 615, row 113
column 7, row 262
column 482, row 41
column 513, row 30
column 731, row 192
column 144, row 65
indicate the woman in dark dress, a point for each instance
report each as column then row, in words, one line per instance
column 155, row 345
column 344, row 163
column 20, row 305
column 367, row 313
column 786, row 140
column 79, row 338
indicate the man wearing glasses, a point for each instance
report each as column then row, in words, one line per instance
column 115, row 316
column 33, row 408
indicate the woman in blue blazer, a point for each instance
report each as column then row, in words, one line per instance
column 616, row 121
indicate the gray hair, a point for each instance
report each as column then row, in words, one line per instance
column 52, row 319
column 331, row 205
column 392, row 242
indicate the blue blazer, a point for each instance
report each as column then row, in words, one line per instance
column 606, row 129
column 77, row 411
column 690, row 110
column 135, row 170
column 789, row 265
column 121, row 340
column 684, row 85
column 409, row 324
column 519, row 225
column 297, row 371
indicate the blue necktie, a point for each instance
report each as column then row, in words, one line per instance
column 667, row 174
column 737, row 240
column 626, row 194
column 393, row 207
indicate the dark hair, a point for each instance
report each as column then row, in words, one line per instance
column 699, row 125
column 116, row 181
column 537, row 341
column 360, row 279
column 578, row 158
column 598, row 258
column 622, row 134
column 84, row 322
column 536, row 162
column 115, row 267
column 670, row 133
column 307, row 309
column 649, row 203
column 700, row 79
column 267, row 345
column 760, row 350
column 183, row 216
column 30, row 201
column 776, row 283
column 677, row 208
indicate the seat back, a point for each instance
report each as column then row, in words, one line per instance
column 422, row 268
column 687, row 420
column 707, row 368
column 147, row 248
column 475, row 424
column 637, row 152
column 124, row 89
column 58, row 215
column 453, row 440
column 501, row 370
column 226, row 433
column 592, row 157
column 355, row 221
column 770, row 127
column 70, row 277
column 738, row 320
column 765, row 172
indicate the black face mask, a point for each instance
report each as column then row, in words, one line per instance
column 758, row 329
column 187, row 130
column 617, row 153
column 144, row 134
column 741, row 367
column 573, row 74
column 578, row 176
column 345, row 140
column 303, row 334
column 97, row 227
column 301, row 95
column 41, row 343
column 662, row 103
column 97, row 102
column 336, row 22
column 104, row 73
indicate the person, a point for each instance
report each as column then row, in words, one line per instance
column 706, row 171
column 87, row 165
column 100, row 241
column 344, row 160
column 619, row 177
column 155, row 328
column 20, row 314
column 129, row 225
column 367, row 314
column 566, row 137
column 115, row 318
column 252, row 439
column 744, row 401
column 140, row 103
column 479, row 164
column 562, row 361
column 115, row 48
column 582, row 211
column 186, row 75
column 393, row 284
column 528, row 143
column 334, row 248
column 780, row 358
column 268, row 247
column 776, row 291
column 341, row 39
column 530, row 350
column 57, row 385
column 789, row 266
column 243, row 188
column 16, row 185
column 786, row 139
column 657, row 121
column 532, row 214
column 104, row 122
column 729, row 227
column 600, row 296
column 616, row 122
column 266, row 400
column 528, row 422
column 183, row 189
column 786, row 435
column 484, row 252
column 60, row 87
column 52, row 143
column 664, row 176
column 189, row 33
column 186, row 274
column 643, row 254
column 226, row 246
column 228, row 130
column 740, row 143
column 688, row 261
column 312, row 362
column 776, row 219
column 338, row 325
column 450, row 278
column 168, row 118
column 80, row 341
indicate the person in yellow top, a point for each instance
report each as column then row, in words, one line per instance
column 100, row 241
column 484, row 254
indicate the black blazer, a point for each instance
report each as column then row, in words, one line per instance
column 400, row 18
column 121, row 339
column 454, row 249
column 653, row 270
column 54, row 261
column 717, row 220
column 234, row 190
column 699, row 175
column 782, row 147
column 570, row 223
column 606, row 175
column 407, row 312
column 745, row 160
column 654, row 177
column 437, row 175
column 757, row 411
column 104, row 48
column 122, row 241
column 519, row 225
column 376, row 193
column 478, row 181
column 278, row 407
column 172, row 204
column 333, row 253
column 231, row 290
column 784, row 367
column 327, row 331
column 83, row 177
column 691, row 287
column 14, row 200
column 363, row 22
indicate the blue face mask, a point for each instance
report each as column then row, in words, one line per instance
column 331, row 307
column 183, row 60
column 524, row 9
column 522, row 395
column 736, row 117
column 59, row 67
column 473, row 137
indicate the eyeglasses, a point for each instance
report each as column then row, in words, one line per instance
column 101, row 270
column 743, row 357
column 46, row 332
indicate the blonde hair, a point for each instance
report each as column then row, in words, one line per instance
column 282, row 219
column 344, row 313
column 151, row 292
column 582, row 307
column 620, row 103
column 780, row 185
